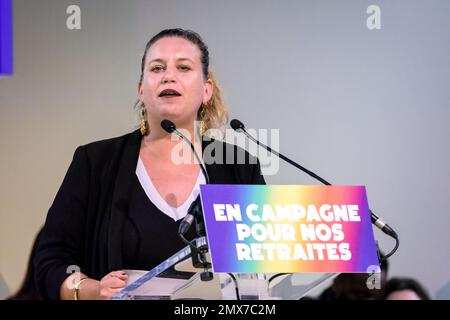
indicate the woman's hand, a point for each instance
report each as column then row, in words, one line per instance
column 112, row 283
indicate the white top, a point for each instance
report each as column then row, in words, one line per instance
column 158, row 201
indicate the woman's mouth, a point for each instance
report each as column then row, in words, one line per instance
column 169, row 93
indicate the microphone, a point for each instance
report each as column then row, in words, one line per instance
column 194, row 210
column 238, row 126
column 170, row 127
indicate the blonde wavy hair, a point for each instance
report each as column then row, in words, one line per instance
column 213, row 115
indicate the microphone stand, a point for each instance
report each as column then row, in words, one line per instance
column 194, row 214
column 238, row 126
column 199, row 254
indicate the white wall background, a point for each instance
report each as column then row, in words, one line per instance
column 356, row 106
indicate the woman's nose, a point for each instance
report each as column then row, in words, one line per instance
column 168, row 76
column 168, row 80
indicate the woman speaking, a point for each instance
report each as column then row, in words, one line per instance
column 122, row 199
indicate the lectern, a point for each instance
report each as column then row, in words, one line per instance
column 266, row 242
column 176, row 278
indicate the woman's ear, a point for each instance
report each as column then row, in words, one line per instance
column 208, row 91
column 140, row 91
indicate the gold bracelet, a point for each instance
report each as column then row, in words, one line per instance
column 77, row 288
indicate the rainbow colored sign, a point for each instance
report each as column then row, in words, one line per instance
column 288, row 228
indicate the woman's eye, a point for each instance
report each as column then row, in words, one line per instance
column 156, row 69
column 184, row 68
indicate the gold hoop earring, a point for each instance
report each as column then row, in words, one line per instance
column 144, row 124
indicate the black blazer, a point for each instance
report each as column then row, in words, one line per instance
column 83, row 229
